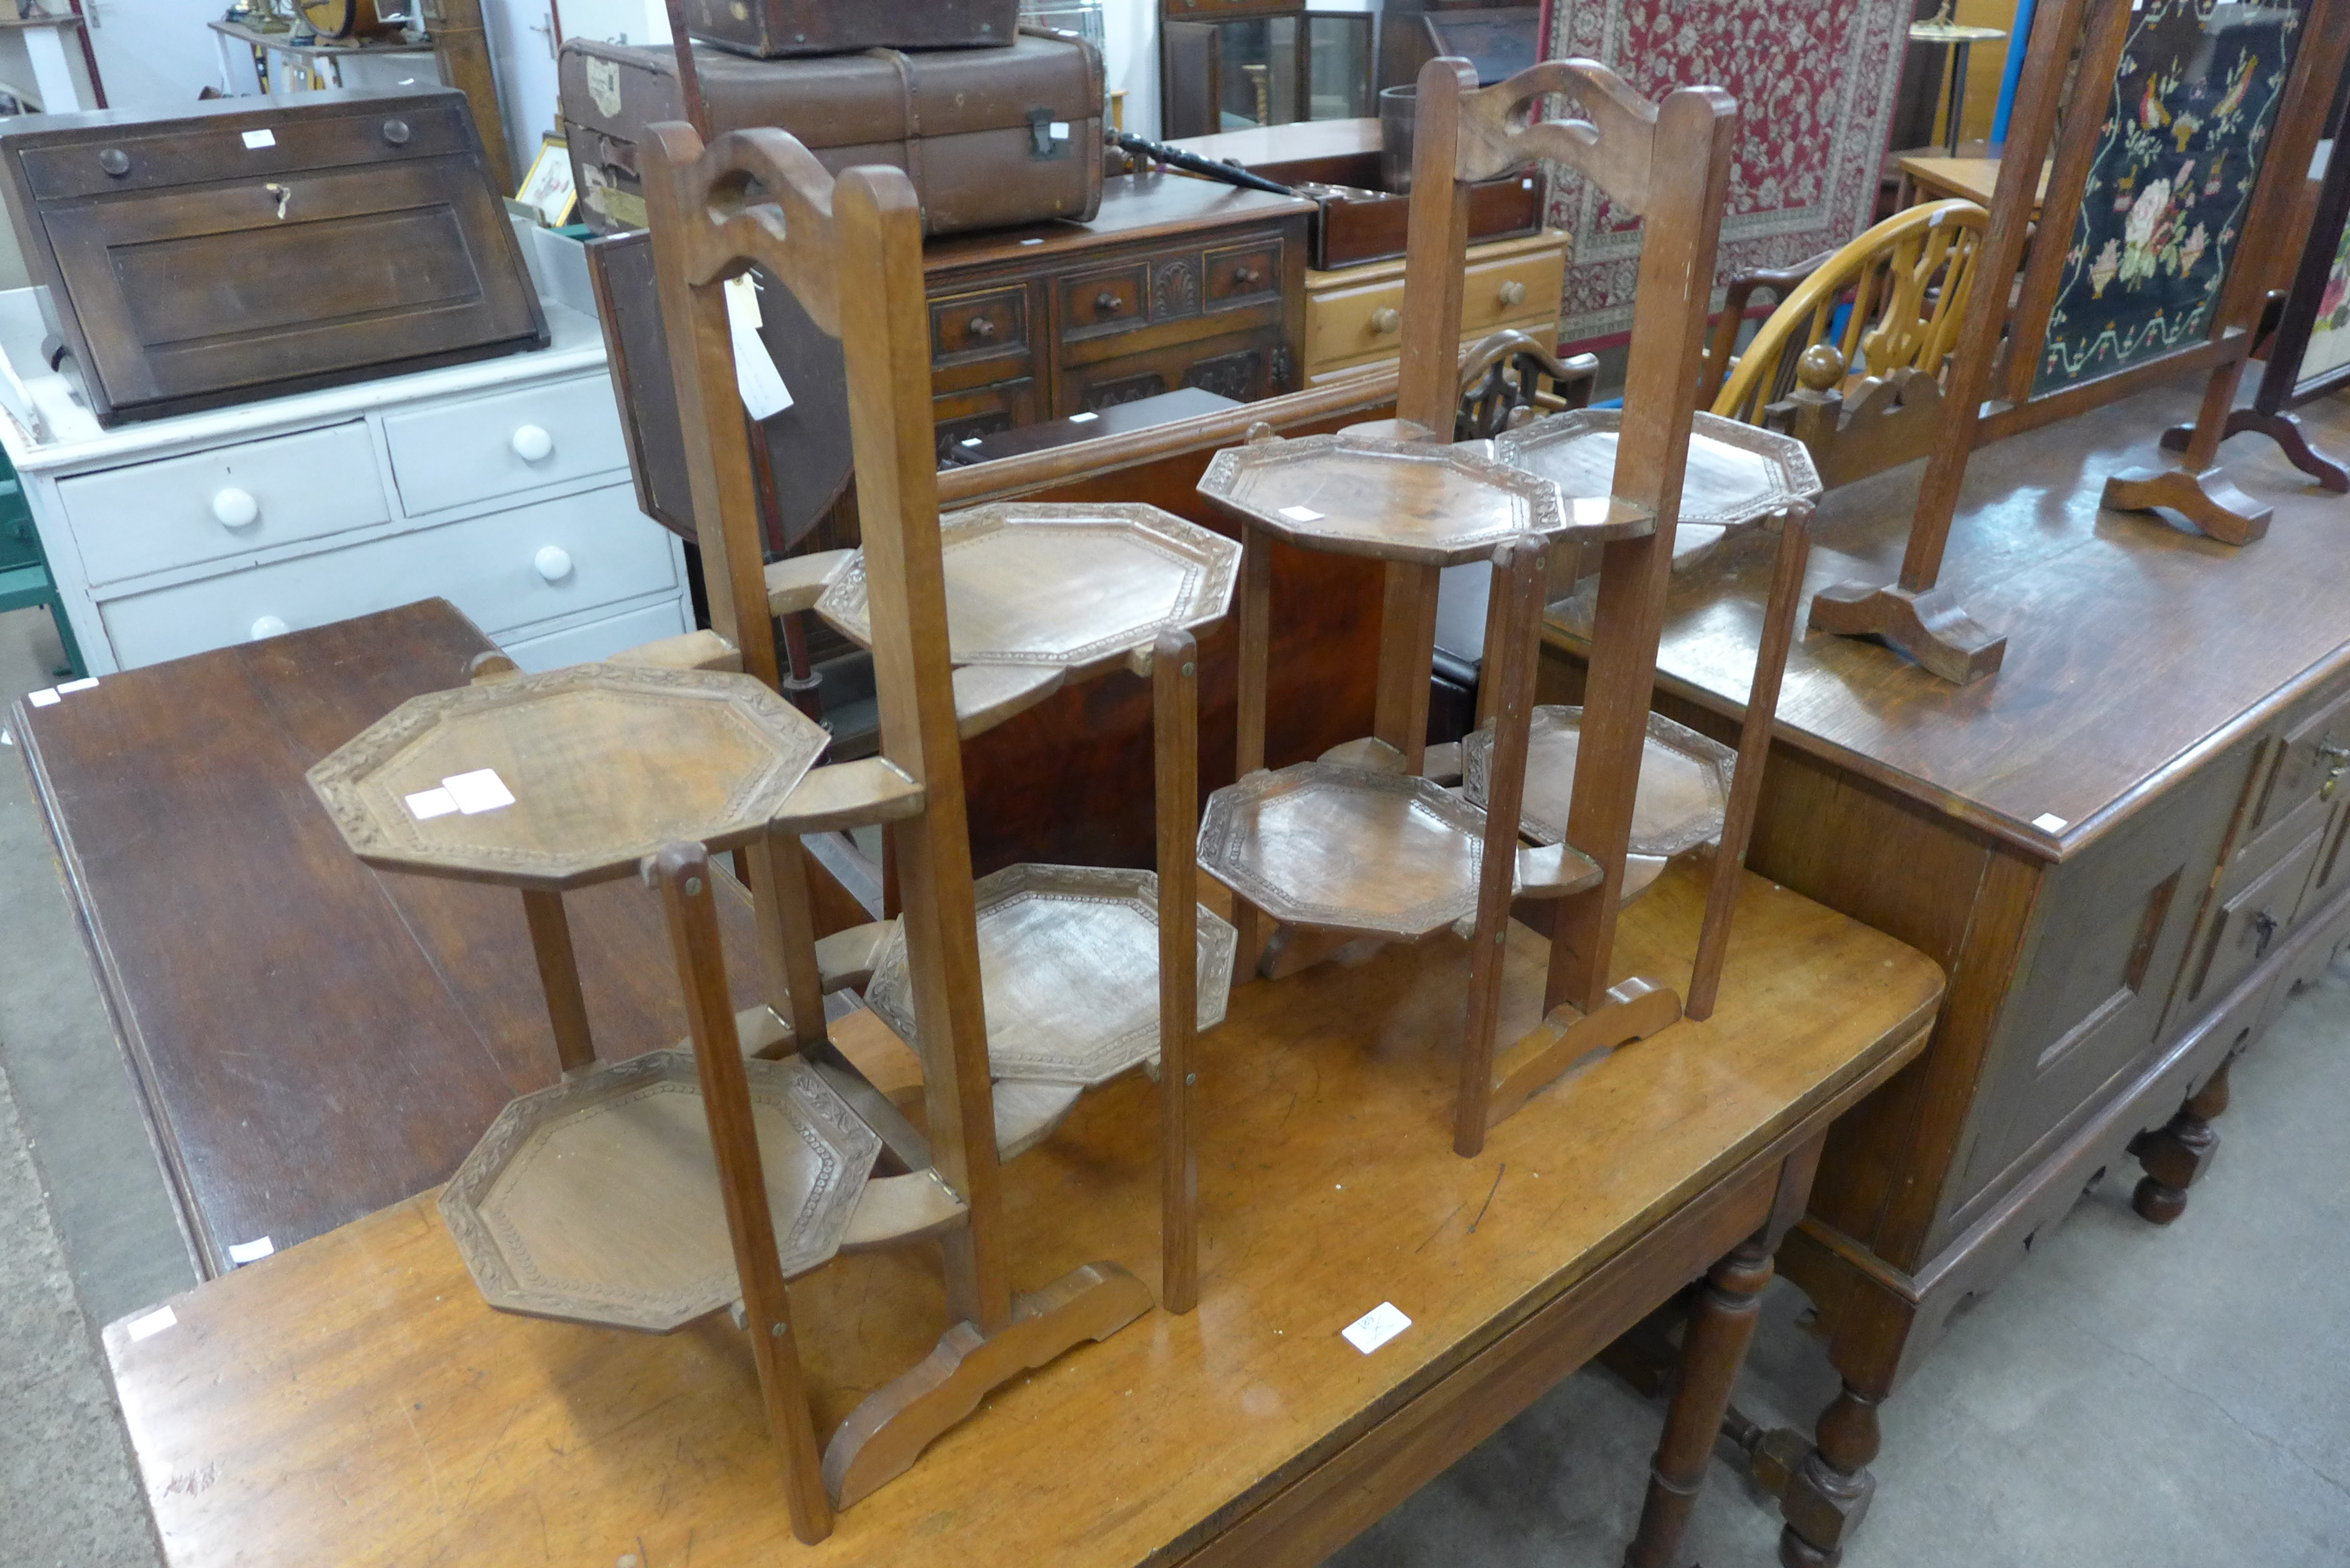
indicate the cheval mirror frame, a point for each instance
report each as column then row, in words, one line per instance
column 849, row 250
column 2082, row 42
column 1668, row 164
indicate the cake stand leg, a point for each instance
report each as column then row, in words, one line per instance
column 559, row 976
column 779, row 895
column 1255, row 606
column 683, row 872
column 1521, row 580
column 1406, row 655
column 1175, row 683
column 884, row 1435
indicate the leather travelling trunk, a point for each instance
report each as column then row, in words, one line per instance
column 253, row 247
column 774, row 29
column 990, row 136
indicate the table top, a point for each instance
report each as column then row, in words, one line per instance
column 2134, row 648
column 1976, row 179
column 353, row 1400
column 264, row 983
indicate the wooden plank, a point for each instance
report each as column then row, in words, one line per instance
column 352, row 1400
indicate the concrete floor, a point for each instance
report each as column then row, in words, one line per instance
column 2133, row 1397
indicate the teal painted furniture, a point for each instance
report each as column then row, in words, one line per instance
column 25, row 579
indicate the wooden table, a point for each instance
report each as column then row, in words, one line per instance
column 1930, row 177
column 2126, row 848
column 351, row 1400
column 311, row 1039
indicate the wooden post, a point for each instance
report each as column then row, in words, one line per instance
column 559, row 976
column 779, row 897
column 1175, row 737
column 1254, row 658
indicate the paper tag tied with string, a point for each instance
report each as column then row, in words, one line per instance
column 756, row 378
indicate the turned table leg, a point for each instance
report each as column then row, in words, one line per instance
column 1711, row 1353
column 1830, row 1493
column 2176, row 1154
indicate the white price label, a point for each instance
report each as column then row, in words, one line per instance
column 757, row 380
column 1375, row 1327
column 257, row 139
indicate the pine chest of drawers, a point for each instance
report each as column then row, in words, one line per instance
column 501, row 485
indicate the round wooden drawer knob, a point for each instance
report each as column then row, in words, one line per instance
column 981, row 328
column 532, row 444
column 115, row 161
column 554, row 563
column 1386, row 319
column 1247, row 277
column 1514, row 293
column 234, row 508
column 1108, row 303
column 268, row 626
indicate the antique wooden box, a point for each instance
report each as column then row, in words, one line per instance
column 255, row 247
column 990, row 136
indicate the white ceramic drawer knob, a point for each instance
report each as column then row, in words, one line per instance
column 554, row 563
column 1514, row 293
column 532, row 444
column 234, row 508
column 268, row 626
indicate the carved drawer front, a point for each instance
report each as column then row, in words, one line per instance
column 1097, row 303
column 1244, row 274
column 1242, row 366
column 2312, row 769
column 509, row 569
column 152, row 516
column 976, row 325
column 482, row 447
column 959, row 417
column 2252, row 920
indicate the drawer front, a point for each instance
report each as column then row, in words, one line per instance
column 1095, row 304
column 1545, row 334
column 959, row 417
column 1507, row 291
column 2312, row 759
column 1347, row 324
column 509, row 569
column 2252, row 920
column 598, row 639
column 182, row 511
column 484, row 447
column 1243, row 366
column 1244, row 274
column 966, row 326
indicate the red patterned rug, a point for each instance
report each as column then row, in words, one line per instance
column 1814, row 82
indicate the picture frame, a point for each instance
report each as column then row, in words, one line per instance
column 547, row 189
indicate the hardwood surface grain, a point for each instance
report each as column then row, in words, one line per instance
column 352, row 1400
column 2208, row 638
column 311, row 1039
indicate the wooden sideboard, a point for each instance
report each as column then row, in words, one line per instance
column 1176, row 282
column 2126, row 849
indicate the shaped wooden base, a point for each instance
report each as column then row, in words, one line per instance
column 884, row 1435
column 1634, row 1010
column 2281, row 428
column 1928, row 626
column 2210, row 500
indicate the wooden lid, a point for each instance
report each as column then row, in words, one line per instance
column 597, row 1201
column 1068, row 963
column 604, row 763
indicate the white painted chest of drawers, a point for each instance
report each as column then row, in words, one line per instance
column 502, row 486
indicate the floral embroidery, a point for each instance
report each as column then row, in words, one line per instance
column 2191, row 106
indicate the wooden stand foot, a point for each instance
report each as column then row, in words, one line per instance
column 884, row 1435
column 1634, row 1010
column 2210, row 500
column 1714, row 1348
column 1928, row 626
column 2177, row 1154
column 2281, row 428
column 1829, row 1495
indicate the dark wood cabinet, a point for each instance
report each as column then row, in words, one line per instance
column 2125, row 849
column 1177, row 283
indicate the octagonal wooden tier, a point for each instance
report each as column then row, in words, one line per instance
column 1738, row 474
column 605, row 763
column 1402, row 501
column 1068, row 966
column 1061, row 585
column 597, row 1201
column 1684, row 781
column 1321, row 844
